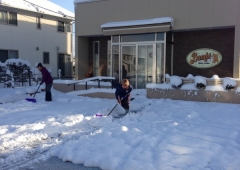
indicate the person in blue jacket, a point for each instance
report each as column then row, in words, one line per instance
column 122, row 94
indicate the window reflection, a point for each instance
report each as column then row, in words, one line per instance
column 115, row 39
column 138, row 37
column 160, row 36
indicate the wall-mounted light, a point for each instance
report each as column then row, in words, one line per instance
column 37, row 48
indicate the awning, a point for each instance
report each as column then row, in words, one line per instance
column 163, row 24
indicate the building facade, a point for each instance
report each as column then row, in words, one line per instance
column 143, row 40
column 37, row 37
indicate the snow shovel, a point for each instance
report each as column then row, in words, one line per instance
column 100, row 115
column 32, row 99
column 117, row 104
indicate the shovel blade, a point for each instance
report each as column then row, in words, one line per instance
column 31, row 100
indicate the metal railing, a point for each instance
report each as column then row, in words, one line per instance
column 98, row 78
column 18, row 80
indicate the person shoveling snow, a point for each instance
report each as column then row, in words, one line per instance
column 123, row 94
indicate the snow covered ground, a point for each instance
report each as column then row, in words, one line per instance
column 160, row 134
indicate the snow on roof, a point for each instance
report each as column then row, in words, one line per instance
column 42, row 6
column 139, row 22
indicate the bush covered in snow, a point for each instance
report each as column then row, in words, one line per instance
column 16, row 71
column 200, row 82
column 229, row 83
column 176, row 82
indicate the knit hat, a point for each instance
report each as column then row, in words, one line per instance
column 39, row 65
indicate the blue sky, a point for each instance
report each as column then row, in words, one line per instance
column 67, row 4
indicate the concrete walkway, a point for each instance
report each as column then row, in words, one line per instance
column 57, row 164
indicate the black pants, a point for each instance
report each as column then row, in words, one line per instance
column 48, row 95
column 124, row 103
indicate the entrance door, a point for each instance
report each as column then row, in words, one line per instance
column 128, row 64
column 145, row 66
column 137, row 64
column 64, row 63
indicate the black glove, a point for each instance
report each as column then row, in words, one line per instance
column 41, row 83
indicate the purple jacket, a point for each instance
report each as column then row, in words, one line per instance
column 46, row 77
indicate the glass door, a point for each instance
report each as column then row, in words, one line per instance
column 128, row 64
column 145, row 65
column 65, row 64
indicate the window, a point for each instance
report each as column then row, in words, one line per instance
column 12, row 18
column 8, row 54
column 38, row 21
column 138, row 37
column 12, row 54
column 67, row 27
column 8, row 18
column 115, row 39
column 96, row 58
column 3, row 17
column 160, row 36
column 46, row 58
column 64, row 27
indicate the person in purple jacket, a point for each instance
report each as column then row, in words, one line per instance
column 48, row 80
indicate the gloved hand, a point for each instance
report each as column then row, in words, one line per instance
column 41, row 83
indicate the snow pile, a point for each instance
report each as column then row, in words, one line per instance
column 200, row 82
column 190, row 76
column 215, row 77
column 20, row 92
column 176, row 81
column 192, row 135
column 30, row 90
column 229, row 83
column 168, row 76
column 18, row 62
column 215, row 88
column 161, row 86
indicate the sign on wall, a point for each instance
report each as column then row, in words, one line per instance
column 204, row 58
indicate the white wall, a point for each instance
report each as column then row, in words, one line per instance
column 25, row 37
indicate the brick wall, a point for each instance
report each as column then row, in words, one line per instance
column 221, row 40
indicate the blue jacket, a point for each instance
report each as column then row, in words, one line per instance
column 121, row 92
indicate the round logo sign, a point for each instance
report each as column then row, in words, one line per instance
column 204, row 58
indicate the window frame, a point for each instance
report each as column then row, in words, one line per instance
column 64, row 27
column 9, row 21
column 48, row 59
column 5, row 23
column 8, row 51
column 38, row 23
column 13, row 51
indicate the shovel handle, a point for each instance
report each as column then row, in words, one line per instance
column 112, row 109
column 36, row 91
